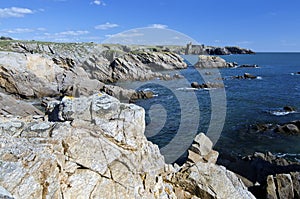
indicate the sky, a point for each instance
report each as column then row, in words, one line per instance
column 261, row 25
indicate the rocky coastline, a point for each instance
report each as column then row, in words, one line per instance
column 65, row 131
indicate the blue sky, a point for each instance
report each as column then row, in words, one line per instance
column 262, row 25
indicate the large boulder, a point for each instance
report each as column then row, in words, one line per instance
column 102, row 153
column 283, row 186
column 208, row 61
column 28, row 75
column 10, row 106
column 201, row 150
column 207, row 180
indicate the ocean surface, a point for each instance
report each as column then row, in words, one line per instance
column 226, row 115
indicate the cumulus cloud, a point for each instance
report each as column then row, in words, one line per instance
column 126, row 35
column 14, row 12
column 160, row 26
column 20, row 30
column 72, row 33
column 98, row 2
column 106, row 26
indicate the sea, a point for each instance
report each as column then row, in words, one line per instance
column 228, row 114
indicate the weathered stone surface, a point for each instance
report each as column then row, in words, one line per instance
column 285, row 186
column 27, row 75
column 10, row 106
column 271, row 188
column 207, row 180
column 207, row 61
column 4, row 194
column 82, row 158
column 142, row 66
column 207, row 85
column 296, row 183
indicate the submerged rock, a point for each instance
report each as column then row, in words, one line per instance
column 249, row 66
column 289, row 108
column 245, row 76
column 207, row 85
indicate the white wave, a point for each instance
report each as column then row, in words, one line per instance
column 148, row 89
column 281, row 113
column 186, row 89
column 208, row 89
column 258, row 77
column 155, row 95
column 295, row 156
column 295, row 74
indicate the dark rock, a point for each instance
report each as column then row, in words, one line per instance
column 289, row 108
column 238, row 50
column 288, row 129
column 177, row 76
column 249, row 76
column 249, row 66
column 212, row 50
column 141, row 95
column 245, row 76
column 195, row 85
column 207, row 85
column 231, row 64
column 5, row 38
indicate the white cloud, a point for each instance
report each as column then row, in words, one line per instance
column 72, row 33
column 106, row 26
column 123, row 35
column 244, row 42
column 160, row 26
column 98, row 2
column 14, row 12
column 20, row 30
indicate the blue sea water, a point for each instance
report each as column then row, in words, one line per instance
column 247, row 102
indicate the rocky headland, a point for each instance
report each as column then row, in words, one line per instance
column 64, row 133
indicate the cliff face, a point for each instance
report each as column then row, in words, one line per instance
column 213, row 50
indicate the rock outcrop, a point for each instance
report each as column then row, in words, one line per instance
column 212, row 50
column 282, row 186
column 144, row 66
column 208, row 61
column 207, row 85
column 94, row 147
column 10, row 106
column 266, row 175
column 245, row 76
column 102, row 152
